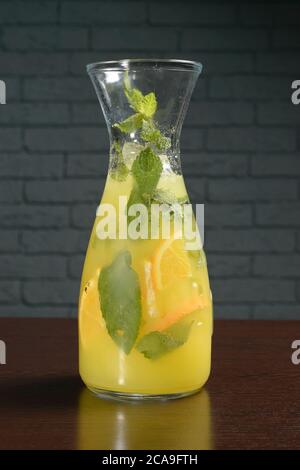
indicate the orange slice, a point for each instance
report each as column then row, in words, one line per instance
column 170, row 263
column 89, row 312
column 197, row 301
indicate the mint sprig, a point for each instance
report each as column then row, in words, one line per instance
column 145, row 107
column 147, row 167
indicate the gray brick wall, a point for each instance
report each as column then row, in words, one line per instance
column 240, row 143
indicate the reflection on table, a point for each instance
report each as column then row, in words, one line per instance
column 177, row 424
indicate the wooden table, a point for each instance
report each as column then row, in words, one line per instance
column 252, row 399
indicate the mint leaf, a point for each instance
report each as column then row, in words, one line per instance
column 131, row 124
column 148, row 105
column 134, row 198
column 153, row 135
column 143, row 104
column 120, row 170
column 120, row 300
column 156, row 344
column 134, row 97
column 146, row 170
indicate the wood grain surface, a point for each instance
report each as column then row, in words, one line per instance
column 252, row 400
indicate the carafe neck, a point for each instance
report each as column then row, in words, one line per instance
column 144, row 103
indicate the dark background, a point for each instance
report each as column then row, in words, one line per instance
column 240, row 144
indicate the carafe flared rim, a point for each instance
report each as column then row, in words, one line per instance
column 125, row 64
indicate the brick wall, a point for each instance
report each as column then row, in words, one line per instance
column 240, row 145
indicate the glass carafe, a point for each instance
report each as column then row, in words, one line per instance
column 145, row 308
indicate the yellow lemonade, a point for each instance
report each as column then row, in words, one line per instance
column 175, row 294
column 145, row 307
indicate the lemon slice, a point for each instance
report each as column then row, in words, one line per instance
column 170, row 262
